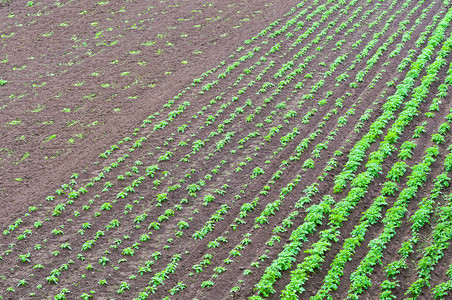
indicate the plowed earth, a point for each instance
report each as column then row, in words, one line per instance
column 198, row 188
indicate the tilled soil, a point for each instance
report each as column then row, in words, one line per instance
column 163, row 150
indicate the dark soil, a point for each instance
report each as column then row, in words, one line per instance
column 81, row 78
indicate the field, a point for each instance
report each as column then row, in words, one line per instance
column 226, row 149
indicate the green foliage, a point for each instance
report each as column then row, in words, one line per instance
column 406, row 150
column 389, row 188
column 397, row 171
column 256, row 172
column 438, row 139
column 308, row 164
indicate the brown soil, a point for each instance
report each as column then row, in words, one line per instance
column 81, row 78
